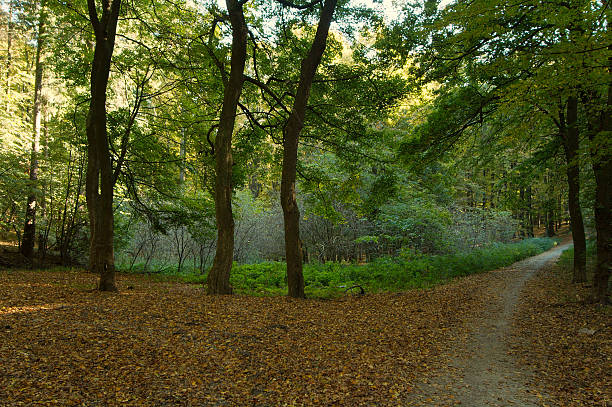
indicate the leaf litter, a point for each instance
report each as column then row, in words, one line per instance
column 169, row 344
column 565, row 339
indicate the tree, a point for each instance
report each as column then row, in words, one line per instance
column 568, row 129
column 29, row 230
column 291, row 134
column 600, row 138
column 99, row 180
column 219, row 274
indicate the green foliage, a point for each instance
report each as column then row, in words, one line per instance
column 567, row 257
column 411, row 270
column 418, row 223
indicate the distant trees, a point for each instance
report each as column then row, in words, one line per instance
column 528, row 55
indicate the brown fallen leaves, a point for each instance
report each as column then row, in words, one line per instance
column 168, row 344
column 566, row 341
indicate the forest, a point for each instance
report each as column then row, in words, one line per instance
column 241, row 154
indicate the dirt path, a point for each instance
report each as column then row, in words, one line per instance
column 481, row 372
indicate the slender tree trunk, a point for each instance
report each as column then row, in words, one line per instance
column 291, row 134
column 9, row 60
column 523, row 232
column 219, row 276
column 529, row 217
column 43, row 235
column 99, row 179
column 182, row 156
column 550, row 222
column 29, row 229
column 571, row 144
column 550, row 225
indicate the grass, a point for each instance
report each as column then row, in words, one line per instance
column 383, row 274
column 567, row 257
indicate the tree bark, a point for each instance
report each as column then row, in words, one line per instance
column 602, row 167
column 291, row 133
column 9, row 60
column 99, row 179
column 601, row 156
column 571, row 144
column 218, row 280
column 529, row 216
column 29, row 229
column 43, row 235
column 182, row 153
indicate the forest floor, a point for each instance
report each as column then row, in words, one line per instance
column 480, row 372
column 555, row 351
column 168, row 344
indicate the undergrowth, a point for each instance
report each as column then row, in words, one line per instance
column 567, row 257
column 409, row 270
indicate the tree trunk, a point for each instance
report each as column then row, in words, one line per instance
column 601, row 155
column 523, row 231
column 602, row 167
column 570, row 146
column 529, row 217
column 9, row 40
column 291, row 133
column 219, row 276
column 550, row 222
column 43, row 235
column 29, row 229
column 182, row 156
column 99, row 180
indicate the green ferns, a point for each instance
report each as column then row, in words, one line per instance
column 410, row 270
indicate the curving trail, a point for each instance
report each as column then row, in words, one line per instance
column 481, row 372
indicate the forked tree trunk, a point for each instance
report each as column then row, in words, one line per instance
column 218, row 280
column 99, row 179
column 291, row 134
column 29, row 229
column 571, row 144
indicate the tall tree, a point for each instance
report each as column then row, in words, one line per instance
column 29, row 230
column 571, row 144
column 99, row 179
column 600, row 131
column 219, row 275
column 291, row 134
